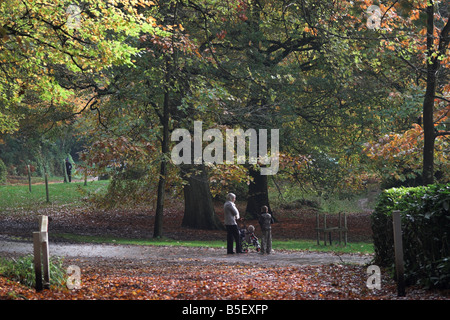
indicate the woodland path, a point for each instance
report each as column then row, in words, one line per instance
column 179, row 253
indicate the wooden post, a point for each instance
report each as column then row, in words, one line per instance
column 398, row 247
column 41, row 255
column 340, row 228
column 345, row 226
column 45, row 260
column 318, row 231
column 46, row 187
column 43, row 223
column 325, row 228
column 29, row 177
column 66, row 177
column 37, row 260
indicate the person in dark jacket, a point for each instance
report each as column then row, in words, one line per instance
column 69, row 169
column 231, row 215
column 265, row 221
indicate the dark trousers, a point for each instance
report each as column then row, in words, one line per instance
column 233, row 234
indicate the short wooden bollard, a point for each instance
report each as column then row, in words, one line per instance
column 398, row 248
column 46, row 188
column 41, row 255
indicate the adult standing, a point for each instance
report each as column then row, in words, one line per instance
column 231, row 215
column 69, row 169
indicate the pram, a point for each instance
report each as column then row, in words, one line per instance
column 248, row 238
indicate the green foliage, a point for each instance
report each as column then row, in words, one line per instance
column 22, row 270
column 124, row 191
column 37, row 40
column 425, row 214
column 2, row 172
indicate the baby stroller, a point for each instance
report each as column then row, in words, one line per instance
column 248, row 238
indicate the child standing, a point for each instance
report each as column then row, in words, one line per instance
column 265, row 221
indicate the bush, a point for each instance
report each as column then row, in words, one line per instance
column 425, row 216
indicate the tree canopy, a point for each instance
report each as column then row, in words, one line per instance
column 358, row 89
column 44, row 43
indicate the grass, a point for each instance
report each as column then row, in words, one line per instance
column 19, row 196
column 295, row 244
column 22, row 270
column 311, row 245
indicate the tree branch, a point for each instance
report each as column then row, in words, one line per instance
column 442, row 133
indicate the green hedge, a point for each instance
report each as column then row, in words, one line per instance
column 425, row 214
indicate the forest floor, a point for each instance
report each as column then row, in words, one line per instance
column 195, row 273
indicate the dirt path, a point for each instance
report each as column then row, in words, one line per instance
column 137, row 223
column 178, row 254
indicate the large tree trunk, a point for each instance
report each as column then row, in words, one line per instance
column 198, row 205
column 157, row 229
column 433, row 64
column 429, row 136
column 258, row 194
column 428, row 103
column 164, row 118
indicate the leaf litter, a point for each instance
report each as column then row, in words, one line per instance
column 190, row 278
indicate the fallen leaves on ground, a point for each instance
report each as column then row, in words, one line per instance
column 138, row 223
column 192, row 280
column 189, row 279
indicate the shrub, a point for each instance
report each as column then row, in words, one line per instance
column 425, row 216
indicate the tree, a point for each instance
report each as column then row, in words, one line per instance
column 386, row 46
column 417, row 32
column 37, row 38
column 249, row 44
column 436, row 52
column 181, row 82
column 162, row 92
